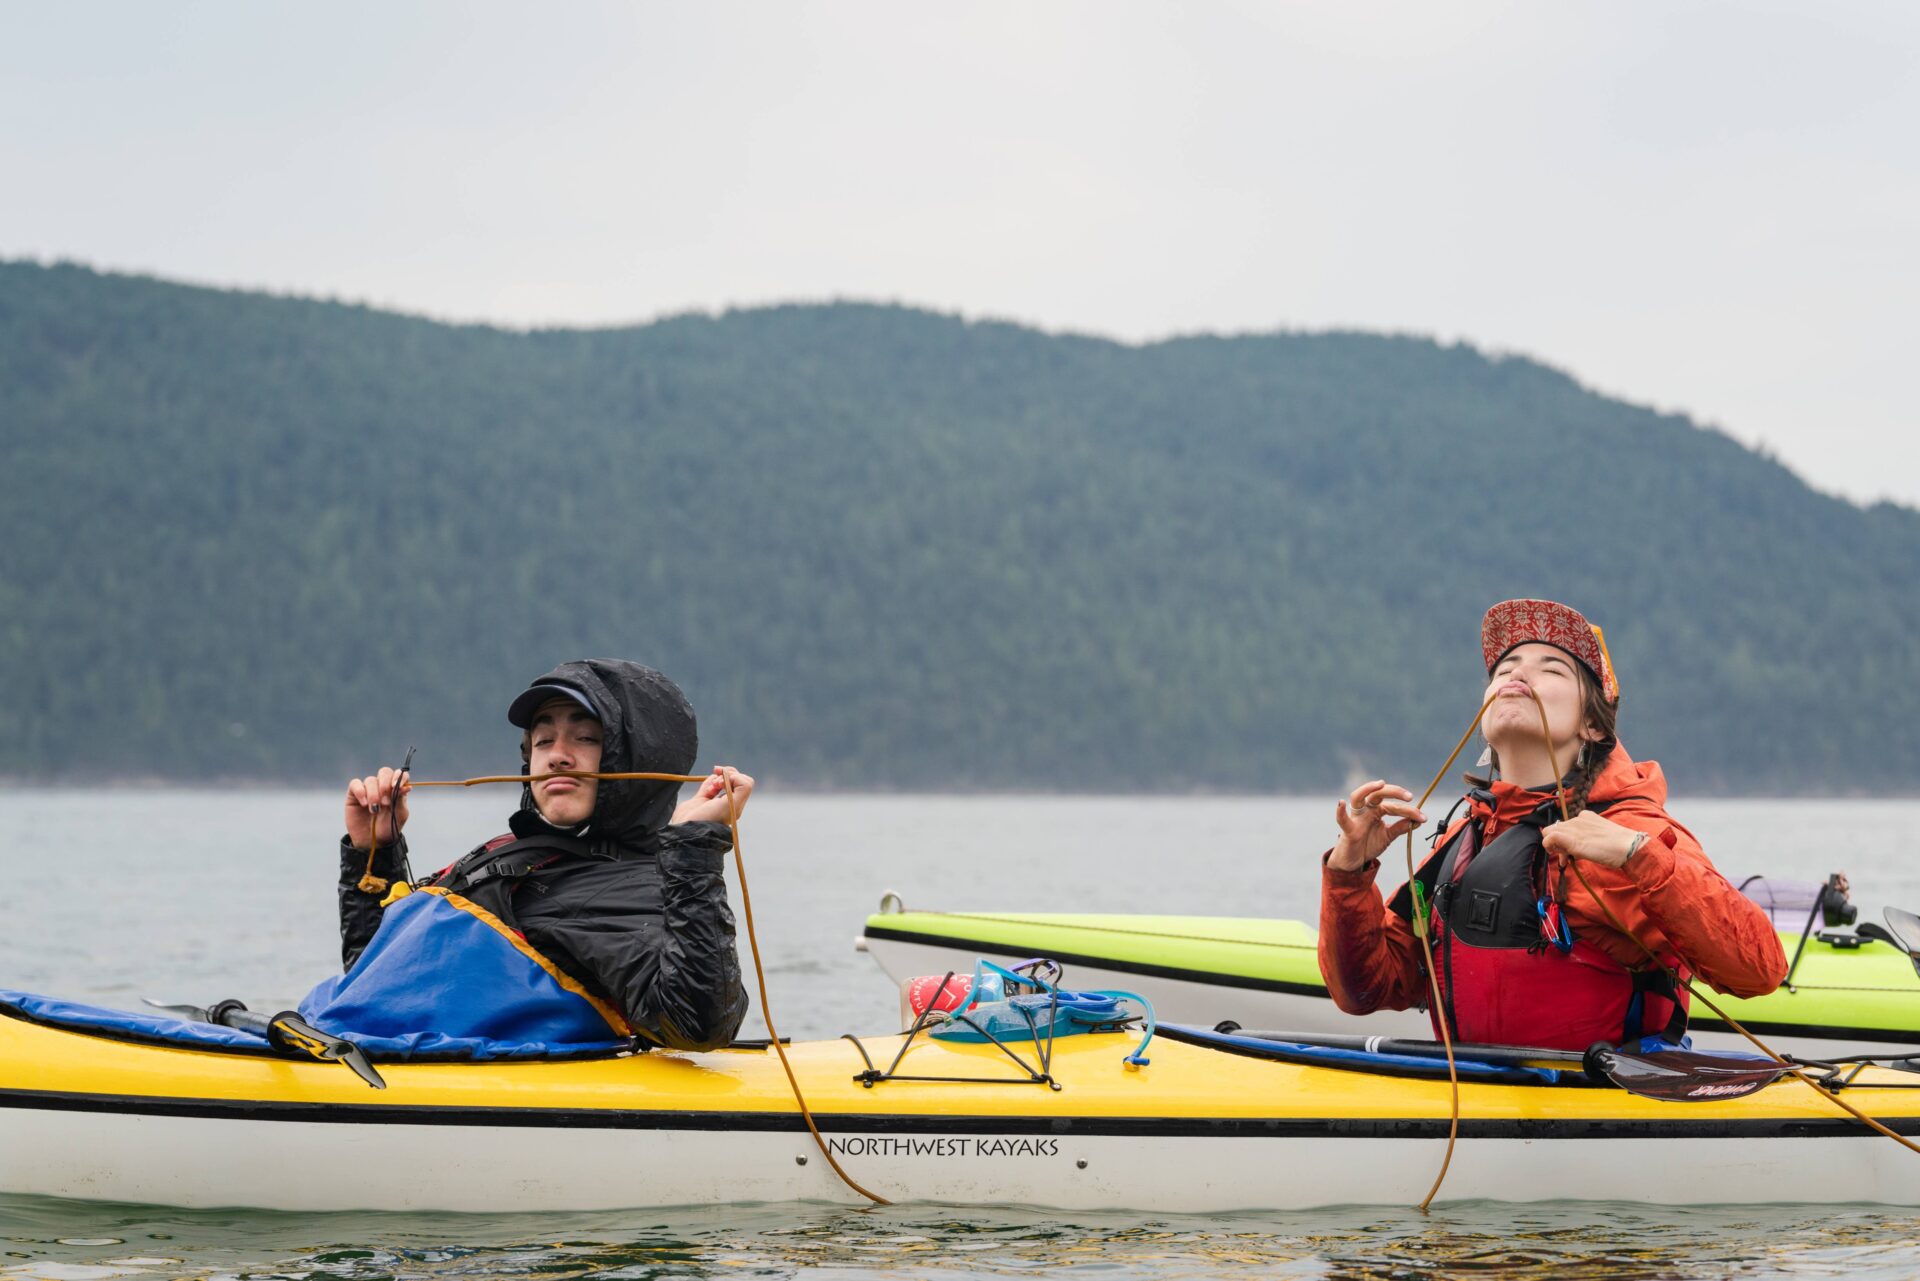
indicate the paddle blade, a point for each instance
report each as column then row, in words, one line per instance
column 1905, row 927
column 1685, row 1076
column 363, row 1068
column 191, row 1013
column 291, row 1032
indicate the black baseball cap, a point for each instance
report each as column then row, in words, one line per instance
column 534, row 697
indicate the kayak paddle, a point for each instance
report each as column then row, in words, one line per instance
column 1687, row 1076
column 285, row 1031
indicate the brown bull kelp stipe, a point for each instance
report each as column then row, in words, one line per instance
column 746, row 907
column 1751, row 1080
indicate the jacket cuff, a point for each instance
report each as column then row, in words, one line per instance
column 1652, row 865
column 704, row 845
column 389, row 862
column 1359, row 878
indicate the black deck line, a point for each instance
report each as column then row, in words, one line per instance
column 1702, row 1018
column 1703, row 1127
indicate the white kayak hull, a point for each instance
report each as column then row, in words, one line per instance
column 294, row 1165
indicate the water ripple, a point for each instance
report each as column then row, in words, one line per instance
column 68, row 1241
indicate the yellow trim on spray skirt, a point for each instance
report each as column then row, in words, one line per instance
column 526, row 949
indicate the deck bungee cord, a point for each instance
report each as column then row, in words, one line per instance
column 746, row 906
column 1421, row 930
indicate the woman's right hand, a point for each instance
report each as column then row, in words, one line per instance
column 388, row 790
column 1365, row 829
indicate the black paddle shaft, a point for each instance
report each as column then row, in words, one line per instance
column 291, row 1034
column 1673, row 1075
column 1505, row 1055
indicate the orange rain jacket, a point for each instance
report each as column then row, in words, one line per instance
column 1668, row 895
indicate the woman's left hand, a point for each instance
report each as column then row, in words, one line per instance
column 1589, row 836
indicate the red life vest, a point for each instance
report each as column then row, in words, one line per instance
column 1512, row 972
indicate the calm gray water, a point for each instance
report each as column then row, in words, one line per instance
column 204, row 895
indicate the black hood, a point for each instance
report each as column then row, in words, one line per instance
column 646, row 726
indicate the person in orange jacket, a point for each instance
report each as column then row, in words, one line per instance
column 1523, row 952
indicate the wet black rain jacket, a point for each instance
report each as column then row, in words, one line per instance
column 632, row 908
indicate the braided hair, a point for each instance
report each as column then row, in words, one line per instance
column 1601, row 717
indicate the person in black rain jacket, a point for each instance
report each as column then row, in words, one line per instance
column 609, row 881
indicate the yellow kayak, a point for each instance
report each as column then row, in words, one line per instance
column 91, row 1115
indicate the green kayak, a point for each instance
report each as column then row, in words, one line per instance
column 1848, row 992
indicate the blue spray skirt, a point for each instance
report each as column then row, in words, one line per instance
column 145, row 1027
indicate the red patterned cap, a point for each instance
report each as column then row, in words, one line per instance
column 1515, row 622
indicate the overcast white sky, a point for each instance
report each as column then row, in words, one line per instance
column 1709, row 208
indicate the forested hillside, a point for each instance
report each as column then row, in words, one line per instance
column 249, row 536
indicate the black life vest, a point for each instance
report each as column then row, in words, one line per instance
column 1512, row 970
column 489, row 874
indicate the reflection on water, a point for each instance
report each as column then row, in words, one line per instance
column 42, row 1238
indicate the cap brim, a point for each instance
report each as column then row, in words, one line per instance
column 531, row 700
